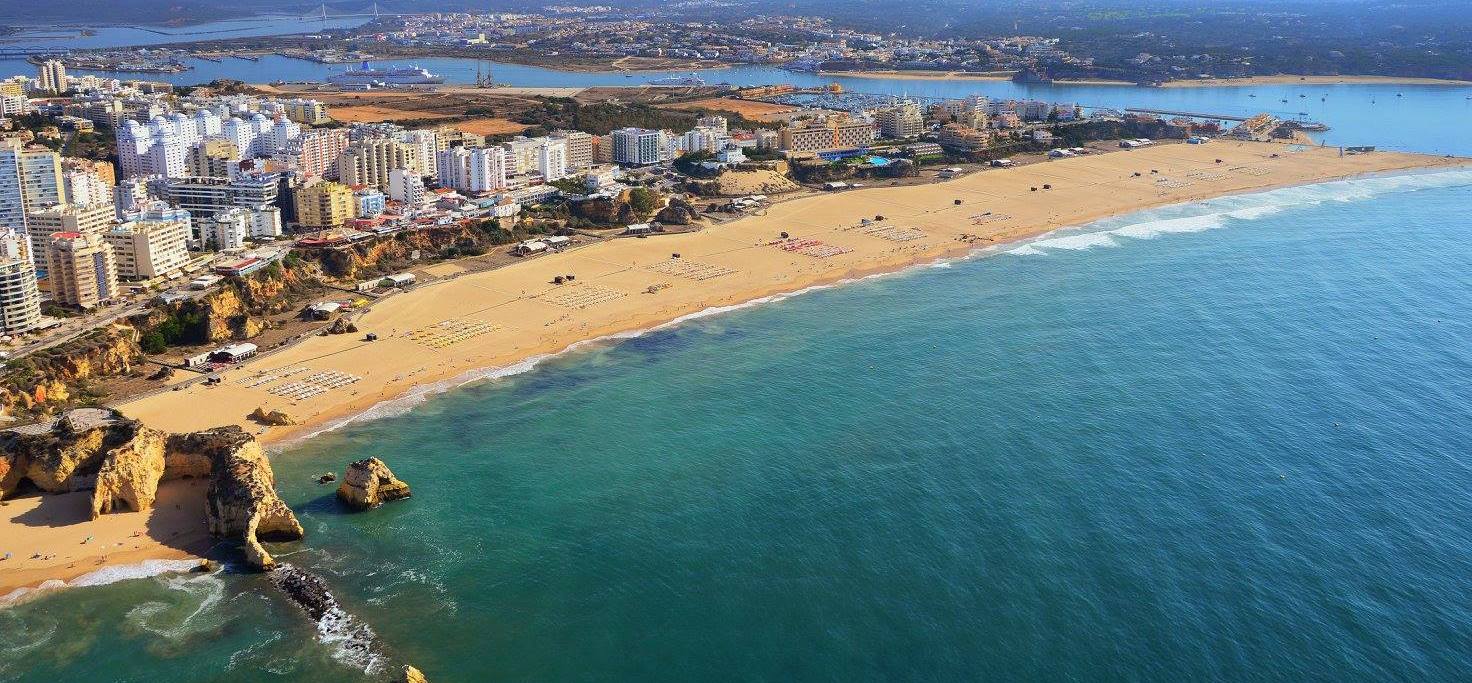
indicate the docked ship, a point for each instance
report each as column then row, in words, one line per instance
column 365, row 74
column 691, row 80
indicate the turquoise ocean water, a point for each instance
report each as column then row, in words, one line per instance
column 1223, row 440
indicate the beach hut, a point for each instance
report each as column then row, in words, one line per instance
column 638, row 229
column 528, row 248
column 401, row 280
column 234, row 353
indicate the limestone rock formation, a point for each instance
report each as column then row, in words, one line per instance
column 369, row 483
column 678, row 212
column 130, row 473
column 342, row 326
column 411, row 675
column 61, row 456
column 274, row 418
column 123, row 462
column 241, row 502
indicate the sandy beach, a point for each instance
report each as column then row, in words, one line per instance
column 454, row 327
column 50, row 537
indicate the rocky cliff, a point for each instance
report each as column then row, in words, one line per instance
column 394, row 253
column 238, row 310
column 241, row 502
column 45, row 380
column 123, row 462
column 130, row 473
column 369, row 483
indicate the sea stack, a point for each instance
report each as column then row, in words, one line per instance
column 369, row 483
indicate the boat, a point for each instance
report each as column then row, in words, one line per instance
column 365, row 74
column 691, row 80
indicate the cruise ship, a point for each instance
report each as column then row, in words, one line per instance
column 365, row 74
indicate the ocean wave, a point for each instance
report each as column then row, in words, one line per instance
column 102, row 577
column 177, row 620
column 1221, row 212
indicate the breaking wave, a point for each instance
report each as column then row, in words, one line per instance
column 1222, row 212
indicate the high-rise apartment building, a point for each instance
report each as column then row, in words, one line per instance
column 81, row 269
column 149, row 248
column 213, row 157
column 370, row 161
column 20, row 299
column 480, row 169
column 51, row 77
column 579, row 149
column 324, row 205
column 902, row 120
column 91, row 219
column 638, row 146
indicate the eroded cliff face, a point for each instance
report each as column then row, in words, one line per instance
column 130, row 473
column 123, row 462
column 391, row 254
column 67, row 457
column 46, row 380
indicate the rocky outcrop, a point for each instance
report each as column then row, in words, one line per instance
column 241, row 502
column 123, row 462
column 275, row 418
column 369, row 483
column 342, row 326
column 677, row 212
column 353, row 641
column 411, row 675
column 63, row 455
column 130, row 474
column 605, row 210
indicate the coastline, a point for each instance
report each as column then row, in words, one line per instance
column 1291, row 79
column 1283, row 79
column 500, row 295
column 629, row 290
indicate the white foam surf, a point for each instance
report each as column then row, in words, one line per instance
column 102, row 577
column 1222, row 212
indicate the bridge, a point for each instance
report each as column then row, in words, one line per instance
column 323, row 14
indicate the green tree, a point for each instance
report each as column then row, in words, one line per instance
column 643, row 200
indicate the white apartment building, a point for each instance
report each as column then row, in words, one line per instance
column 84, row 187
column 147, row 249
column 477, row 169
column 227, row 229
column 20, row 299
column 638, row 146
column 406, row 186
column 426, row 146
column 161, row 146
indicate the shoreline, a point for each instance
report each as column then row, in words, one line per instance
column 529, row 326
column 344, row 412
column 1293, row 79
column 1283, row 79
